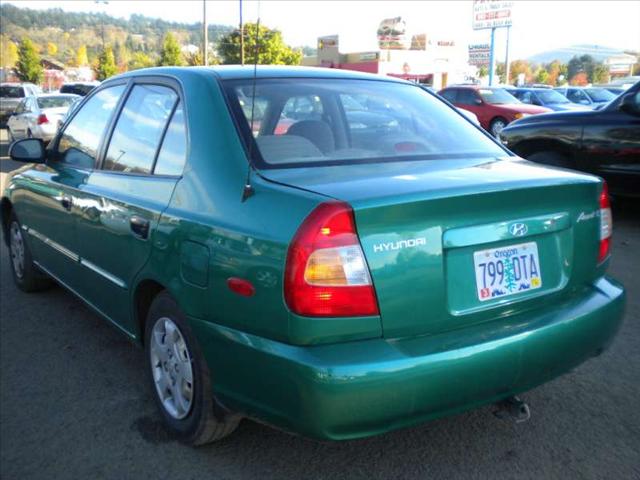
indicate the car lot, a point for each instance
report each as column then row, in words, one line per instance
column 72, row 406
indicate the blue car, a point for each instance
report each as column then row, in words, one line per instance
column 592, row 97
column 546, row 97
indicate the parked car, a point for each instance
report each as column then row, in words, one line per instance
column 79, row 88
column 39, row 116
column 593, row 97
column 615, row 89
column 604, row 142
column 470, row 115
column 494, row 107
column 546, row 97
column 11, row 94
column 423, row 272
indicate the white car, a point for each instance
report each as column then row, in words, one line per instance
column 39, row 116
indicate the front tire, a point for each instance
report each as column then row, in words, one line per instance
column 26, row 275
column 180, row 378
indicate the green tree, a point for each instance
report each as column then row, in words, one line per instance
column 271, row 47
column 106, row 66
column 28, row 66
column 483, row 71
column 542, row 76
column 140, row 60
column 52, row 49
column 600, row 74
column 170, row 54
column 195, row 59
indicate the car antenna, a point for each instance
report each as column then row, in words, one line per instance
column 248, row 190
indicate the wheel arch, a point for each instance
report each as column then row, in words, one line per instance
column 144, row 293
column 530, row 146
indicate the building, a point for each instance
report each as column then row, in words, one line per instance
column 431, row 61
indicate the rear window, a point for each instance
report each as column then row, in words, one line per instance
column 8, row 91
column 309, row 122
column 497, row 96
column 55, row 102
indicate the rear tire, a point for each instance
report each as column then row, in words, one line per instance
column 554, row 159
column 26, row 275
column 496, row 126
column 188, row 408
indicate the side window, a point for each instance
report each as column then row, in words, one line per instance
column 467, row 97
column 80, row 141
column 450, row 95
column 137, row 134
column 173, row 152
column 524, row 97
column 20, row 108
column 577, row 96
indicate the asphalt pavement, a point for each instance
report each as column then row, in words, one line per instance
column 75, row 403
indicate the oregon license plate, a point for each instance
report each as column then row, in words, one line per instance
column 507, row 270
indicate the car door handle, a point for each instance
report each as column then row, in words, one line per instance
column 139, row 226
column 66, row 202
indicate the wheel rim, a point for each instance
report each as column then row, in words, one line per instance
column 17, row 250
column 171, row 368
column 497, row 127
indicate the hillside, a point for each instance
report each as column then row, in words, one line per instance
column 597, row 52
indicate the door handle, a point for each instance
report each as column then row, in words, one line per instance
column 139, row 226
column 66, row 202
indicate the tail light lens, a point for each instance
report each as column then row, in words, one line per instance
column 42, row 118
column 606, row 223
column 326, row 273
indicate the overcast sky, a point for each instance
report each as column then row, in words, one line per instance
column 538, row 25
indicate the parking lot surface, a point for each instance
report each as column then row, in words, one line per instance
column 75, row 403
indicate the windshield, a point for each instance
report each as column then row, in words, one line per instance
column 600, row 94
column 497, row 96
column 55, row 102
column 7, row 91
column 336, row 121
column 551, row 96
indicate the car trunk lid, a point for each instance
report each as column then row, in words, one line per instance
column 423, row 224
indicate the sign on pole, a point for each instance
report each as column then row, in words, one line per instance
column 479, row 54
column 492, row 14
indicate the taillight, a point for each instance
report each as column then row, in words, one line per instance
column 606, row 223
column 326, row 273
column 42, row 118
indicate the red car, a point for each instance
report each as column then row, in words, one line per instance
column 494, row 107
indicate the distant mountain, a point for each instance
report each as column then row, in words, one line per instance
column 598, row 52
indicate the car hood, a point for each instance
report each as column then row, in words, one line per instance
column 554, row 118
column 522, row 108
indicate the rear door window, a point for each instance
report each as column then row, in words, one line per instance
column 173, row 152
column 467, row 97
column 80, row 140
column 139, row 128
column 450, row 95
column 577, row 96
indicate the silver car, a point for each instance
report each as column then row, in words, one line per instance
column 11, row 94
column 39, row 116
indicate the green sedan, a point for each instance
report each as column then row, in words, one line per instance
column 333, row 253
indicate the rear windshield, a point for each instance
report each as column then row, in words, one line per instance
column 497, row 96
column 8, row 91
column 551, row 96
column 310, row 122
column 600, row 94
column 55, row 102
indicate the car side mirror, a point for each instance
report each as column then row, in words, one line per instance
column 28, row 150
column 629, row 104
column 477, row 101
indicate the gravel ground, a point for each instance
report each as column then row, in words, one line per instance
column 74, row 403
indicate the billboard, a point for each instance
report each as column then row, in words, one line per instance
column 492, row 14
column 392, row 34
column 479, row 54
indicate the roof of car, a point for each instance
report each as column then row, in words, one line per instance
column 233, row 72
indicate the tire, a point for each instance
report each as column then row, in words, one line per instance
column 554, row 159
column 496, row 126
column 10, row 135
column 191, row 414
column 26, row 275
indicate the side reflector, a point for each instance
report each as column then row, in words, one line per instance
column 241, row 286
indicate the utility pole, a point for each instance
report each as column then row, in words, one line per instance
column 241, row 37
column 492, row 56
column 506, row 59
column 205, row 34
column 102, row 2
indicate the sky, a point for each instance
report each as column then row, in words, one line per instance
column 537, row 25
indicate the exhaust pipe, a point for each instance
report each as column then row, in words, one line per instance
column 513, row 408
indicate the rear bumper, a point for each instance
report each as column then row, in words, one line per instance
column 362, row 388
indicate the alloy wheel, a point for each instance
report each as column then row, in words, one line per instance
column 171, row 368
column 17, row 249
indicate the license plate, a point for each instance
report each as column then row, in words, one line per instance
column 505, row 271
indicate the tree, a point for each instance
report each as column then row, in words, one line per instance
column 579, row 79
column 271, row 47
column 121, row 55
column 555, row 69
column 583, row 63
column 106, row 66
column 28, row 66
column 170, row 54
column 140, row 60
column 518, row 67
column 600, row 74
column 195, row 59
column 81, row 56
column 542, row 76
column 8, row 52
column 52, row 49
column 483, row 71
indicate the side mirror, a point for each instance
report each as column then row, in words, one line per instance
column 629, row 104
column 477, row 101
column 28, row 150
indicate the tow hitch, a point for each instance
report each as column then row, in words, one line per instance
column 513, row 408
